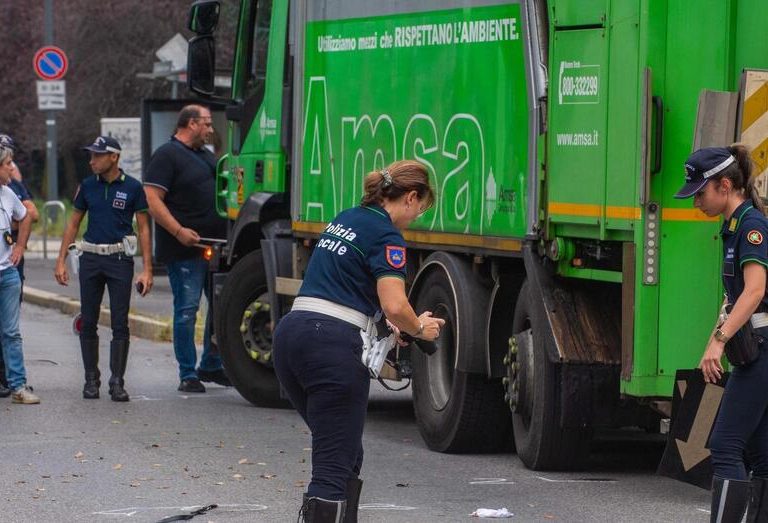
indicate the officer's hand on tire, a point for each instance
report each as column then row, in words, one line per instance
column 60, row 273
column 187, row 237
column 431, row 326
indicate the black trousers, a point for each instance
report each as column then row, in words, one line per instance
column 116, row 273
column 317, row 360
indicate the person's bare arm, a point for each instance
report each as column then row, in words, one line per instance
column 145, row 278
column 31, row 210
column 394, row 304
column 164, row 218
column 25, row 227
column 60, row 272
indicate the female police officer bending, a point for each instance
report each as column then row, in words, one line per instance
column 719, row 179
column 356, row 270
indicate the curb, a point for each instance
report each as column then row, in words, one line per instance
column 139, row 325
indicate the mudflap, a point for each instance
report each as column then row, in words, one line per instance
column 694, row 409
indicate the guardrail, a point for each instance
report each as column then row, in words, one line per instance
column 47, row 206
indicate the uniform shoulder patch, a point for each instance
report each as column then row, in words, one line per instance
column 396, row 256
column 755, row 237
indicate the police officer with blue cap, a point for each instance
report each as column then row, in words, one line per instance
column 112, row 199
column 720, row 181
column 356, row 272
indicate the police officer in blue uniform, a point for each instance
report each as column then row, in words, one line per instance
column 719, row 179
column 357, row 271
column 112, row 199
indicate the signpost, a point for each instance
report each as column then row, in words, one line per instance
column 50, row 64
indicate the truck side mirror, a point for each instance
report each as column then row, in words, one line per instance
column 204, row 16
column 201, row 65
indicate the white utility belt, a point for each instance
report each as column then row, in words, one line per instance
column 329, row 308
column 374, row 350
column 759, row 320
column 103, row 249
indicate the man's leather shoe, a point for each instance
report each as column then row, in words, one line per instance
column 216, row 376
column 191, row 385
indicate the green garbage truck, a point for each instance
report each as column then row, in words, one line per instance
column 554, row 133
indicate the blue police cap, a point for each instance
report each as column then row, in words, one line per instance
column 701, row 166
column 104, row 144
column 7, row 142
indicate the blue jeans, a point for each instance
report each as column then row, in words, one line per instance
column 10, row 307
column 188, row 280
column 741, row 428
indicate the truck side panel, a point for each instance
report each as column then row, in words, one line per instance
column 447, row 87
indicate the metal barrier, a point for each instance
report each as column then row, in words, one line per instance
column 46, row 207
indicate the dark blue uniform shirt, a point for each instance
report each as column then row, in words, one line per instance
column 19, row 189
column 745, row 239
column 110, row 207
column 357, row 248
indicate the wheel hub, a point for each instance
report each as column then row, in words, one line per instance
column 255, row 329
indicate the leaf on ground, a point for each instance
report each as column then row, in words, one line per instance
column 117, row 466
column 268, row 476
column 261, row 463
column 79, row 455
column 219, row 483
column 243, row 461
column 135, row 484
column 237, row 476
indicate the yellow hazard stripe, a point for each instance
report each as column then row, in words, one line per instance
column 755, row 106
column 435, row 238
column 628, row 213
column 686, row 215
column 594, row 211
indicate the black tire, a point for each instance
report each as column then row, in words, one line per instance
column 456, row 411
column 534, row 387
column 245, row 290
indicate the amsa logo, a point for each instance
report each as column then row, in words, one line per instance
column 267, row 126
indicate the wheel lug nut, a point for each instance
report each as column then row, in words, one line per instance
column 255, row 354
column 506, row 359
column 243, row 328
column 248, row 314
column 505, row 381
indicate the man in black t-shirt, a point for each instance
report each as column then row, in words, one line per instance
column 180, row 184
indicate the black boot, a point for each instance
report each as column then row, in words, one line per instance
column 729, row 500
column 354, row 486
column 118, row 359
column 4, row 390
column 90, row 351
column 758, row 501
column 319, row 510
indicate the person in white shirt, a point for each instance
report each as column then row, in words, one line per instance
column 11, row 253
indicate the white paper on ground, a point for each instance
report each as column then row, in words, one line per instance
column 492, row 513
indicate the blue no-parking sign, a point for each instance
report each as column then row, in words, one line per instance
column 50, row 63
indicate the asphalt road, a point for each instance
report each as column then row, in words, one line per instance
column 165, row 453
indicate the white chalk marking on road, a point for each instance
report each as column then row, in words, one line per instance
column 384, row 506
column 144, row 398
column 582, row 480
column 491, row 481
column 132, row 511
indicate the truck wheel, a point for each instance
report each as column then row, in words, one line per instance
column 534, row 395
column 456, row 411
column 244, row 333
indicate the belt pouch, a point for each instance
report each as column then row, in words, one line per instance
column 743, row 347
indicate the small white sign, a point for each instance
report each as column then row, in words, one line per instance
column 51, row 95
